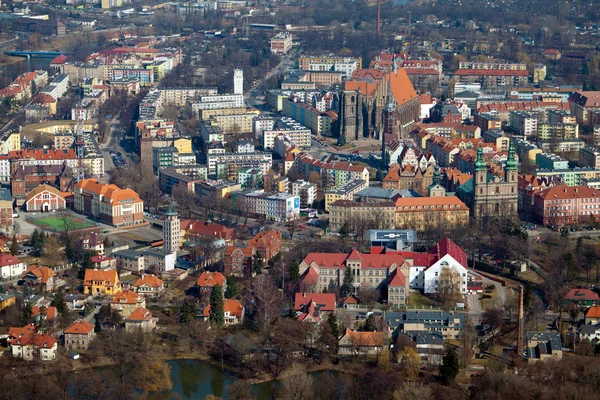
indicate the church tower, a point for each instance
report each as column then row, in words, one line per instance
column 436, row 189
column 512, row 166
column 389, row 121
column 238, row 81
column 171, row 230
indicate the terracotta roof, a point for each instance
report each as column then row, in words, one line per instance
column 364, row 338
column 50, row 312
column 126, row 297
column 58, row 154
column 200, row 228
column 310, row 277
column 246, row 251
column 425, row 99
column 422, row 71
column 44, row 98
column 8, row 259
column 43, row 188
column 552, row 52
column 80, row 327
column 210, row 279
column 350, row 300
column 581, row 294
column 368, row 88
column 568, row 192
column 61, row 59
column 397, row 278
column 140, row 314
column 326, row 300
column 402, row 202
column 234, row 307
column 447, row 246
column 338, row 260
column 402, row 89
column 27, row 336
column 109, row 275
column 521, row 105
column 367, row 74
column 593, row 312
column 110, row 193
column 149, row 280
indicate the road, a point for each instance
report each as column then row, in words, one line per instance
column 250, row 95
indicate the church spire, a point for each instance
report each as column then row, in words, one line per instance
column 480, row 164
column 511, row 162
column 437, row 176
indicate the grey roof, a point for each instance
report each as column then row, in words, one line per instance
column 589, row 329
column 381, row 193
column 425, row 338
column 430, row 318
column 467, row 94
column 5, row 194
column 6, row 296
column 128, row 253
column 552, row 339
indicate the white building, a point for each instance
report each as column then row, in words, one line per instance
column 281, row 43
column 238, row 81
column 261, row 124
column 218, row 102
column 447, row 256
column 306, row 191
column 524, row 123
column 171, row 230
column 11, row 267
column 234, row 158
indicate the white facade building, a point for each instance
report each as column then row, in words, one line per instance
column 238, row 81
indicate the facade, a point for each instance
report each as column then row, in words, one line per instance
column 318, row 122
column 448, row 324
column 99, row 282
column 306, row 191
column 126, row 302
column 42, row 277
column 149, row 285
column 208, row 280
column 233, row 312
column 108, row 203
column 542, row 346
column 281, row 43
column 491, row 196
column 581, row 298
column 589, row 157
column 566, row 205
column 11, row 267
column 27, row 344
column 331, row 175
column 171, row 230
column 265, row 160
column 45, row 198
column 423, row 213
column 524, row 123
column 140, row 320
column 581, row 103
column 353, row 343
column 79, row 335
column 279, row 207
column 344, row 192
column 237, row 261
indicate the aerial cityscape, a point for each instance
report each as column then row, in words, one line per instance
column 238, row 199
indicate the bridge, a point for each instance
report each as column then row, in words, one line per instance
column 34, row 54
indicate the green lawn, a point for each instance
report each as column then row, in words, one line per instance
column 57, row 224
column 417, row 300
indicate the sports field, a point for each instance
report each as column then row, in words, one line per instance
column 57, row 224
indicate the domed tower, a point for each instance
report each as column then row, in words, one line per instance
column 512, row 166
column 171, row 230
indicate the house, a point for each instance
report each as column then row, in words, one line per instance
column 98, row 282
column 27, row 344
column 267, row 244
column 45, row 198
column 353, row 343
column 581, row 298
column 542, row 346
column 126, row 302
column 76, row 302
column 312, row 307
column 7, row 300
column 233, row 312
column 237, row 261
column 44, row 313
column 429, row 346
column 10, row 267
column 592, row 315
column 196, row 231
column 93, row 241
column 149, row 285
column 208, row 280
column 79, row 335
column 42, row 277
column 590, row 332
column 103, row 262
column 140, row 319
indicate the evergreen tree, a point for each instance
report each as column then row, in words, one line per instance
column 450, row 366
column 37, row 242
column 69, row 251
column 14, row 246
column 333, row 323
column 97, row 327
column 346, row 289
column 187, row 312
column 106, row 242
column 344, row 231
column 294, row 271
column 579, row 247
column 257, row 264
column 27, row 313
column 217, row 316
column 233, row 288
column 59, row 302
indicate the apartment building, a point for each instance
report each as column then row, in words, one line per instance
column 332, row 174
column 524, row 123
column 448, row 324
column 307, row 192
column 239, row 158
column 281, row 43
column 344, row 192
column 279, row 207
column 558, row 131
column 307, row 115
column 589, row 157
column 566, row 205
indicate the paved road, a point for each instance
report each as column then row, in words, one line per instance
column 91, row 315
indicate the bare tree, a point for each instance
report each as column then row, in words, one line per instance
column 267, row 301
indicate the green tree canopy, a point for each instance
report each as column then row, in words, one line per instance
column 217, row 316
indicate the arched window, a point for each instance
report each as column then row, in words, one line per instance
column 497, row 189
column 352, row 99
column 351, row 110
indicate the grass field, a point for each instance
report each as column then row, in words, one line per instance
column 57, row 224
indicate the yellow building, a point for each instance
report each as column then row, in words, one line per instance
column 423, row 213
column 205, row 115
column 183, row 145
column 99, row 282
column 126, row 302
column 7, row 300
column 160, row 68
column 10, row 142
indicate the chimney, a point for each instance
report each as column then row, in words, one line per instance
column 520, row 323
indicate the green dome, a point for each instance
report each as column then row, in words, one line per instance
column 480, row 164
column 171, row 211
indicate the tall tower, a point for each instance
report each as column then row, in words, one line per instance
column 171, row 230
column 390, row 131
column 238, row 81
column 512, row 166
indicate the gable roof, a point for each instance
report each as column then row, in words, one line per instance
column 310, row 277
column 234, row 307
column 447, row 246
column 568, row 192
column 126, row 297
column 149, row 280
column 581, row 295
column 364, row 338
column 593, row 312
column 139, row 314
column 80, row 327
column 49, row 312
column 397, row 279
column 43, row 188
column 402, row 89
column 325, row 300
column 8, row 259
column 210, row 279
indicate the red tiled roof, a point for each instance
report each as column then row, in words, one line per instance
column 126, row 297
column 80, row 327
column 568, row 192
column 210, row 279
column 397, row 278
column 8, row 259
column 61, row 59
column 593, row 312
column 581, row 294
column 447, row 246
column 140, row 314
column 586, row 99
column 310, row 277
column 234, row 307
column 326, row 300
column 149, row 280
